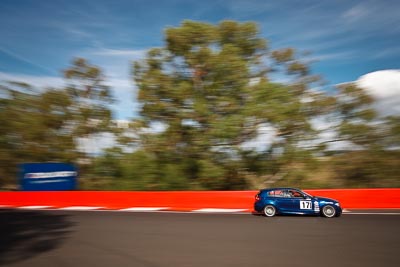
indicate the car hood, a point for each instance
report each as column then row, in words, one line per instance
column 325, row 199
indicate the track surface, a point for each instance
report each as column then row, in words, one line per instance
column 61, row 238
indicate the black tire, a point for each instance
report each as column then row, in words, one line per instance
column 328, row 211
column 269, row 211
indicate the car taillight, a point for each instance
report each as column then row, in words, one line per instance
column 257, row 197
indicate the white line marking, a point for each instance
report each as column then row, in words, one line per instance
column 371, row 213
column 199, row 213
column 212, row 210
column 35, row 207
column 80, row 208
column 144, row 209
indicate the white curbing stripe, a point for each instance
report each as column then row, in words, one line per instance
column 168, row 209
column 373, row 213
column 35, row 207
column 212, row 210
column 143, row 209
column 80, row 208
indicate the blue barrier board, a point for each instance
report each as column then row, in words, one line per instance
column 48, row 177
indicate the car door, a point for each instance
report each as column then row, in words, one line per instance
column 302, row 203
column 296, row 202
column 286, row 203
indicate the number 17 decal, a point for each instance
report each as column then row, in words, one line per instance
column 305, row 205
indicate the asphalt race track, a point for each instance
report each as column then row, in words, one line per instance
column 105, row 238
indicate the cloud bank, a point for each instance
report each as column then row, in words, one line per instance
column 384, row 87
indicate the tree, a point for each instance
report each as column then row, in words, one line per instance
column 33, row 127
column 372, row 155
column 91, row 99
column 210, row 89
column 44, row 124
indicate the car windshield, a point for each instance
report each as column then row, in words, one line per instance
column 306, row 194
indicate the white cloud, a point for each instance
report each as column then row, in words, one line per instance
column 117, row 65
column 123, row 90
column 37, row 81
column 25, row 59
column 355, row 13
column 384, row 87
column 266, row 136
column 119, row 52
column 331, row 56
column 95, row 144
column 326, row 125
column 387, row 53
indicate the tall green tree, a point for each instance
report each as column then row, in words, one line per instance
column 210, row 87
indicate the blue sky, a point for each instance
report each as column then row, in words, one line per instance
column 39, row 38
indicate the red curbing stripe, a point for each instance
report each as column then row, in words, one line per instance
column 191, row 200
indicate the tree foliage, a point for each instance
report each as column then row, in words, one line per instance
column 90, row 98
column 43, row 124
column 210, row 87
column 33, row 127
column 207, row 97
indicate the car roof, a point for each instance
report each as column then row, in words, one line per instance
column 278, row 188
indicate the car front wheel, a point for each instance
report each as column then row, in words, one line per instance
column 328, row 211
column 269, row 211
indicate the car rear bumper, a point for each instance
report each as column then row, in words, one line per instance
column 258, row 206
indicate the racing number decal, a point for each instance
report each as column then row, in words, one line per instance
column 305, row 205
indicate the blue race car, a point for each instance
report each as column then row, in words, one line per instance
column 274, row 201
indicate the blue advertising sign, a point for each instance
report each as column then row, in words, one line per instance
column 48, row 177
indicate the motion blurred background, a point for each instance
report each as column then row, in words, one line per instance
column 202, row 95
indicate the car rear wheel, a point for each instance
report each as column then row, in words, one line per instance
column 269, row 211
column 328, row 211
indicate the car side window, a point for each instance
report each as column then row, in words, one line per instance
column 295, row 193
column 286, row 193
column 276, row 193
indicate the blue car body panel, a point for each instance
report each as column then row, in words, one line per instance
column 293, row 201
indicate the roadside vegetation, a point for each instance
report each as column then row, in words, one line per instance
column 220, row 110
